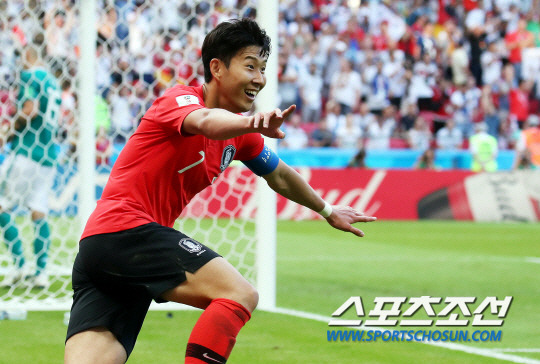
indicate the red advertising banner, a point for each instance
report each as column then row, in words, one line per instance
column 388, row 194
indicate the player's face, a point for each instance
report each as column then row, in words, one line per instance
column 243, row 79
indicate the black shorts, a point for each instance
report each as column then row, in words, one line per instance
column 116, row 276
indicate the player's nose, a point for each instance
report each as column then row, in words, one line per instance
column 259, row 80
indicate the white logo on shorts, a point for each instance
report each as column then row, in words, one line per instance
column 191, row 245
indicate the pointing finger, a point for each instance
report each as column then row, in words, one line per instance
column 289, row 111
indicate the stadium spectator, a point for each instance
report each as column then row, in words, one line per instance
column 449, row 137
column 516, row 41
column 426, row 160
column 459, row 62
column 419, row 136
column 349, row 135
column 459, row 111
column 288, row 77
column 509, row 131
column 378, row 134
column 528, row 146
column 107, row 26
column 363, row 118
column 472, row 95
column 408, row 45
column 322, row 136
column 408, row 116
column 491, row 64
column 346, row 87
column 519, row 101
column 503, row 86
column 121, row 118
column 59, row 45
column 334, row 118
column 103, row 148
column 489, row 112
column 297, row 137
column 422, row 82
column 358, row 160
column 153, row 261
column 27, row 177
column 484, row 150
column 378, row 95
column 311, row 87
column 395, row 72
column 67, row 106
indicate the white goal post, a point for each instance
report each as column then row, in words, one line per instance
column 236, row 216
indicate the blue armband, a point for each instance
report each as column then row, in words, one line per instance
column 264, row 163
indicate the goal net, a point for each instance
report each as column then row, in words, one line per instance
column 142, row 48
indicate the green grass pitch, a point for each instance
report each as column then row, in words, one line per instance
column 319, row 268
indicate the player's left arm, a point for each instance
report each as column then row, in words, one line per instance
column 287, row 182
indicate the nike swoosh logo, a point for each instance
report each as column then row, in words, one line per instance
column 194, row 164
column 206, row 356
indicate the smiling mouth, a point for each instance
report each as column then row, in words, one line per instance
column 251, row 94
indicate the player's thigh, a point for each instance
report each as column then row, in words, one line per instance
column 216, row 279
column 14, row 182
column 98, row 305
column 96, row 345
column 41, row 186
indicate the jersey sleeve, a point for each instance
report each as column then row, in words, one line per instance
column 172, row 108
column 249, row 146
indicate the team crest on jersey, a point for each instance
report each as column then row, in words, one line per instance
column 186, row 100
column 191, row 245
column 227, row 156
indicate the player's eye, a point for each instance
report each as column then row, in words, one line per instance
column 250, row 66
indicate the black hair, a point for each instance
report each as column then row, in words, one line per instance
column 228, row 38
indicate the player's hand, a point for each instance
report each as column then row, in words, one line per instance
column 343, row 217
column 269, row 123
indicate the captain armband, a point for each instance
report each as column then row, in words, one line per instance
column 264, row 163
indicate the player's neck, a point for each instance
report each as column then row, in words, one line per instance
column 211, row 96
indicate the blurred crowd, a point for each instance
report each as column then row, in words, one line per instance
column 408, row 74
column 365, row 75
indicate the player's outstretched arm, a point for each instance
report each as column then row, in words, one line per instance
column 220, row 124
column 288, row 183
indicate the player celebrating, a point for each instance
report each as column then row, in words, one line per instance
column 129, row 255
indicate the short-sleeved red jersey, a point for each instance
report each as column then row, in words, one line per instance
column 160, row 170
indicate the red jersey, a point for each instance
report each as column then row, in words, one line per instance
column 160, row 169
column 512, row 38
column 519, row 104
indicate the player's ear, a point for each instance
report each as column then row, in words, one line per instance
column 216, row 68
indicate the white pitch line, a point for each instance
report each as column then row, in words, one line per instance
column 490, row 353
column 532, row 260
column 510, row 350
column 431, row 259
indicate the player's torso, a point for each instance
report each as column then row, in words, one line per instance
column 164, row 170
column 36, row 140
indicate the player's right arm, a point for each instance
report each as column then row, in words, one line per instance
column 220, row 124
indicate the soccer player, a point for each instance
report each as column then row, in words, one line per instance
column 129, row 255
column 28, row 173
